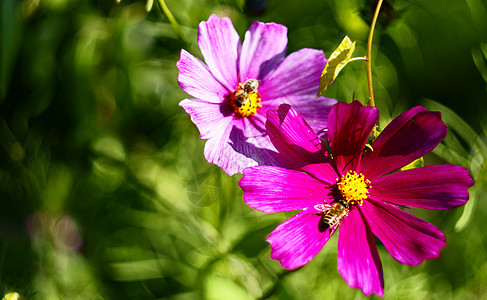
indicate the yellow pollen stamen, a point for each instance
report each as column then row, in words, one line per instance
column 250, row 107
column 353, row 187
column 247, row 108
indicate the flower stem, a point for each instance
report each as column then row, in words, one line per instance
column 369, row 54
column 357, row 58
column 171, row 19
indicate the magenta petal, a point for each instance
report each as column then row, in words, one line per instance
column 293, row 137
column 315, row 112
column 298, row 74
column 220, row 45
column 296, row 241
column 219, row 151
column 239, row 145
column 264, row 47
column 253, row 127
column 248, row 137
column 274, row 189
column 288, row 124
column 206, row 116
column 358, row 259
column 408, row 239
column 324, row 172
column 432, row 187
column 196, row 79
column 295, row 82
column 349, row 127
column 408, row 137
column 298, row 144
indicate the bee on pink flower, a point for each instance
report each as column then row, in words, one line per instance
column 240, row 82
column 355, row 189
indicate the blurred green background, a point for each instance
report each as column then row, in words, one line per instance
column 104, row 190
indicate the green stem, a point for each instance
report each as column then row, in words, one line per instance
column 357, row 58
column 369, row 54
column 148, row 5
column 171, row 19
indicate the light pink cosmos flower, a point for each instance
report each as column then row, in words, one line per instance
column 235, row 128
column 356, row 189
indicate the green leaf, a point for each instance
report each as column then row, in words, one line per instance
column 338, row 59
column 418, row 163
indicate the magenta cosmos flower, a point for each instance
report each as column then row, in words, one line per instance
column 240, row 83
column 356, row 189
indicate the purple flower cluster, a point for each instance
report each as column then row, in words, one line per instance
column 238, row 106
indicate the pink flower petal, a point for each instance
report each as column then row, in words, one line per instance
column 233, row 149
column 295, row 82
column 208, row 117
column 296, row 241
column 408, row 239
column 408, row 137
column 274, row 189
column 219, row 151
column 298, row 74
column 358, row 259
column 349, row 127
column 298, row 144
column 315, row 112
column 264, row 47
column 249, row 138
column 432, row 187
column 293, row 137
column 253, row 127
column 197, row 80
column 324, row 172
column 220, row 45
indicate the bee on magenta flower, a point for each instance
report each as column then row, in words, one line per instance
column 355, row 189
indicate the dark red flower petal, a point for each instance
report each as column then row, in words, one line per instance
column 408, row 137
column 349, row 127
column 432, row 187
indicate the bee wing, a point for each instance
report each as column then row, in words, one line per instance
column 322, row 207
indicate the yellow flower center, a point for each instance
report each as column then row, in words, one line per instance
column 245, row 101
column 353, row 187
